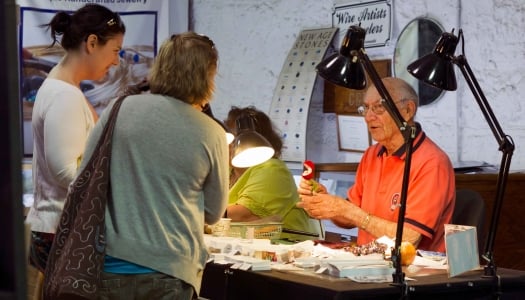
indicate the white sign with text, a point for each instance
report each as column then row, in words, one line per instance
column 373, row 16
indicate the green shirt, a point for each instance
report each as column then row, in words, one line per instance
column 269, row 189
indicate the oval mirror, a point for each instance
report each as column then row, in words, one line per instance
column 417, row 39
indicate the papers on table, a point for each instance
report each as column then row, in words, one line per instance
column 242, row 262
column 261, row 254
column 358, row 267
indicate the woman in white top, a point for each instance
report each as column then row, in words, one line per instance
column 62, row 116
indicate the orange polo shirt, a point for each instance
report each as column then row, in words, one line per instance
column 431, row 190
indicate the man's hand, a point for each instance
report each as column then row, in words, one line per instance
column 324, row 206
column 310, row 187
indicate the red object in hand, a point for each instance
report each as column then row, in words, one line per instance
column 308, row 170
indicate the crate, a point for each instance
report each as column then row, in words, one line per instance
column 268, row 230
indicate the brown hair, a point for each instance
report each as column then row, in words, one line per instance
column 185, row 68
column 89, row 19
column 263, row 125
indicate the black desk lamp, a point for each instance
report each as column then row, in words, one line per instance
column 346, row 69
column 437, row 69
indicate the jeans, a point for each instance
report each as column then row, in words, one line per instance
column 157, row 286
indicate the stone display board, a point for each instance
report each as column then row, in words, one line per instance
column 293, row 92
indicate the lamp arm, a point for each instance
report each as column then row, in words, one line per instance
column 506, row 146
column 488, row 253
column 383, row 92
column 398, row 277
column 409, row 133
column 473, row 84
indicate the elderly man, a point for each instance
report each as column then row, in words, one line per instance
column 373, row 201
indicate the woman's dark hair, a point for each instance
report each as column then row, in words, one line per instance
column 90, row 19
column 263, row 125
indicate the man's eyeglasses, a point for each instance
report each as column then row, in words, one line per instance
column 377, row 108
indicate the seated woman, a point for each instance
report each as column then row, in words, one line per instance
column 267, row 189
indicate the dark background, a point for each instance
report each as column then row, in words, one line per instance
column 12, row 249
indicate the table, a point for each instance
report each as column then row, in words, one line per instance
column 222, row 282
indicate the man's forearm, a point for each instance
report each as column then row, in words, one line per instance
column 357, row 217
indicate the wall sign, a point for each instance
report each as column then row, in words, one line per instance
column 373, row 16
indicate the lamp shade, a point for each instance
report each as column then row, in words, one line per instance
column 249, row 147
column 437, row 68
column 344, row 68
column 229, row 137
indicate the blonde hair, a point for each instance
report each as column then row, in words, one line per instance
column 185, row 68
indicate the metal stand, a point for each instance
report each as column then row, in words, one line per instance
column 409, row 133
column 506, row 146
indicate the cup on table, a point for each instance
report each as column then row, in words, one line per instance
column 221, row 228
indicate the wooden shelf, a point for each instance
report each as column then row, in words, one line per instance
column 509, row 245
